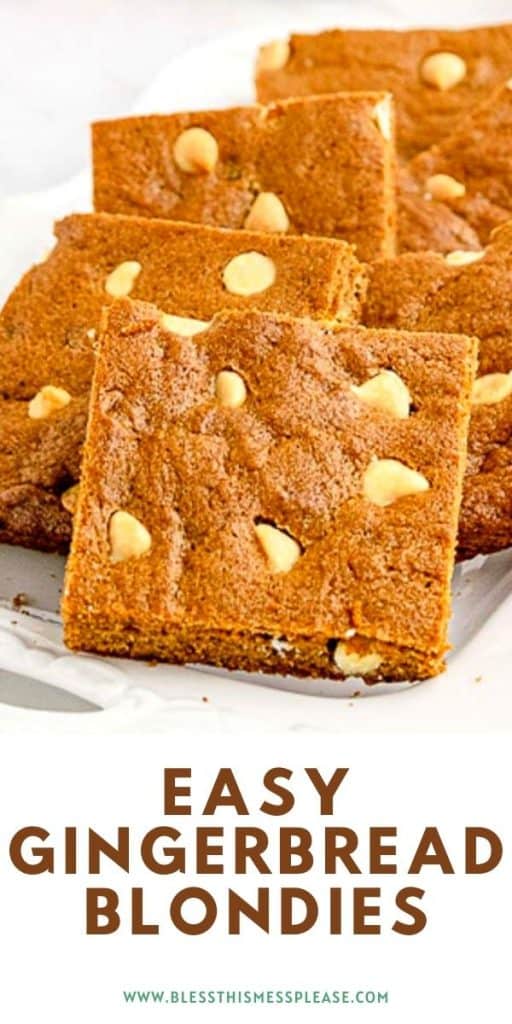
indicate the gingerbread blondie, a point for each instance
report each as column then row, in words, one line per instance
column 272, row 494
column 467, row 174
column 48, row 333
column 435, row 75
column 427, row 224
column 323, row 166
column 465, row 292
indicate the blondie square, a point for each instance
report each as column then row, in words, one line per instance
column 48, row 333
column 435, row 75
column 469, row 173
column 272, row 494
column 321, row 166
column 467, row 292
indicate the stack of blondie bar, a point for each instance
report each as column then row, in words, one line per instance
column 265, row 389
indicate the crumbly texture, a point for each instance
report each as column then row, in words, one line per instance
column 325, row 157
column 425, row 224
column 199, row 477
column 422, row 292
column 366, row 59
column 48, row 327
column 476, row 154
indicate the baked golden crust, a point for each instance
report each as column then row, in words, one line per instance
column 49, row 325
column 475, row 157
column 424, row 224
column 328, row 161
column 428, row 104
column 421, row 292
column 263, row 534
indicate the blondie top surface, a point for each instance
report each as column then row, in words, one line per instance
column 48, row 333
column 323, row 165
column 435, row 75
column 424, row 291
column 425, row 224
column 468, row 174
column 270, row 479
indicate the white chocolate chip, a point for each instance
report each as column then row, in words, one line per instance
column 183, row 325
column 492, row 388
column 383, row 116
column 282, row 551
column 196, row 151
column 230, row 389
column 47, row 401
column 69, row 498
column 463, row 257
column 443, row 70
column 121, row 279
column 386, row 480
column 353, row 664
column 444, row 188
column 267, row 213
column 128, row 537
column 386, row 391
column 273, row 55
column 280, row 646
column 249, row 273
column 91, row 334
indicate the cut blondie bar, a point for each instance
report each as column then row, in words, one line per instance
column 322, row 166
column 436, row 75
column 271, row 494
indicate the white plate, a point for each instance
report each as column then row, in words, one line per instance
column 474, row 694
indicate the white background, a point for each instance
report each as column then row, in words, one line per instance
column 457, row 969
